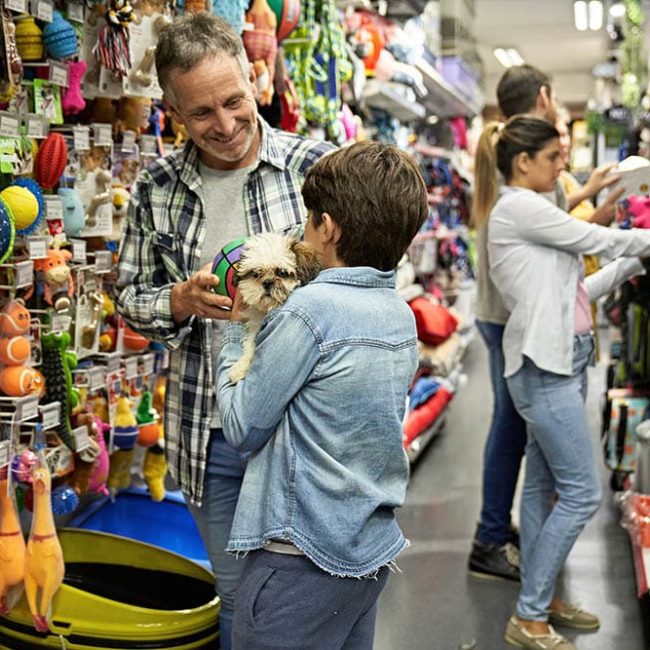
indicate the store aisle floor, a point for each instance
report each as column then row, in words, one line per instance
column 435, row 604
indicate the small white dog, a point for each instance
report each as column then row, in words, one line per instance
column 270, row 268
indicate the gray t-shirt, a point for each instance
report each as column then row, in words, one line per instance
column 489, row 306
column 225, row 220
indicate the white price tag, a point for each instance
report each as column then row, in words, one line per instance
column 113, row 365
column 61, row 322
column 5, row 448
column 26, row 408
column 37, row 247
column 53, row 208
column 79, row 250
column 96, row 379
column 103, row 261
column 23, row 274
column 130, row 367
column 17, row 5
column 102, row 135
column 147, row 361
column 9, row 125
column 44, row 9
column 148, row 145
column 37, row 126
column 58, row 73
column 50, row 415
column 128, row 141
column 81, row 438
column 76, row 12
column 81, row 138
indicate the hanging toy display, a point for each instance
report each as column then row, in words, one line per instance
column 31, row 185
column 12, row 550
column 11, row 67
column 112, row 48
column 44, row 566
column 24, row 206
column 29, row 38
column 51, row 160
column 262, row 47
column 57, row 283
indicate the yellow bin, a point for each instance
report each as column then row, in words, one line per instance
column 121, row 594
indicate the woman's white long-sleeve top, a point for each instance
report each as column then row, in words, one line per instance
column 535, row 259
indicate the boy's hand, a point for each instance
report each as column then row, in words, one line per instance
column 195, row 297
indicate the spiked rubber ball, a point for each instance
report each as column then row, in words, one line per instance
column 51, row 160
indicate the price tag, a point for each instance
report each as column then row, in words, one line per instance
column 128, row 141
column 103, row 261
column 130, row 367
column 61, row 322
column 81, row 438
column 37, row 247
column 50, row 415
column 96, row 379
column 43, row 10
column 79, row 250
column 147, row 361
column 5, row 448
column 113, row 364
column 58, row 73
column 9, row 125
column 26, row 408
column 17, row 5
column 81, row 138
column 76, row 12
column 102, row 135
column 53, row 208
column 148, row 145
column 24, row 274
column 37, row 126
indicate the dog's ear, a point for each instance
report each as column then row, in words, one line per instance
column 308, row 262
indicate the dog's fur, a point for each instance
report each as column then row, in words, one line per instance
column 270, row 268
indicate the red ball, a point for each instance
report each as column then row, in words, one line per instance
column 133, row 341
column 51, row 160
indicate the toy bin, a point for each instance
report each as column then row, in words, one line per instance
column 121, row 594
column 133, row 514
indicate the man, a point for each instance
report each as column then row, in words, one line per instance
column 236, row 176
column 521, row 90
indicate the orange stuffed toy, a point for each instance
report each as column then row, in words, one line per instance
column 59, row 285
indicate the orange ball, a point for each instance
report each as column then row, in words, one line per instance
column 148, row 434
column 14, row 319
column 14, row 351
column 133, row 341
column 16, row 381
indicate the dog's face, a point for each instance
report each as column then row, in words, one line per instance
column 271, row 267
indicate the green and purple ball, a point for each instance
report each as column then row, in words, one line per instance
column 225, row 266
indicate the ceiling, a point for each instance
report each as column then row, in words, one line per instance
column 544, row 33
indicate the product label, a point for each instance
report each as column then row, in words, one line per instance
column 76, row 12
column 26, row 408
column 128, row 141
column 79, row 251
column 102, row 135
column 81, row 138
column 37, row 126
column 37, row 247
column 103, row 261
column 130, row 367
column 9, row 125
column 17, row 5
column 58, row 73
column 53, row 208
column 50, row 415
column 81, row 438
column 148, row 145
column 43, row 10
column 23, row 274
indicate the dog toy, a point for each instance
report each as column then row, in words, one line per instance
column 15, row 319
column 44, row 567
column 12, row 548
column 20, row 380
column 59, row 285
column 119, row 473
column 11, row 67
column 64, row 500
column 225, row 266
column 99, row 474
column 147, row 418
column 29, row 38
column 31, row 185
column 51, row 160
column 154, row 470
column 125, row 431
column 112, row 48
column 86, row 459
column 22, row 466
column 14, row 351
column 58, row 364
column 60, row 38
column 74, row 215
column 134, row 341
column 72, row 101
column 7, row 231
column 261, row 46
column 23, row 205
column 102, row 196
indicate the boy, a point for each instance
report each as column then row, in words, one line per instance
column 321, row 409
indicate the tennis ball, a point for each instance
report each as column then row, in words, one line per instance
column 14, row 351
column 16, row 381
column 14, row 319
column 23, row 204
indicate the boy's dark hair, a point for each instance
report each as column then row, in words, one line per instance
column 518, row 89
column 376, row 194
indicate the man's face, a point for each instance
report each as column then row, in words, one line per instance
column 216, row 104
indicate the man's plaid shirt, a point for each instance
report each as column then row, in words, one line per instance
column 161, row 246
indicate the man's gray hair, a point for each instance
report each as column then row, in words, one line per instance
column 192, row 38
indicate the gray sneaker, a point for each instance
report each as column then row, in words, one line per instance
column 518, row 636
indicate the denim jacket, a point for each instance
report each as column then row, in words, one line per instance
column 321, row 409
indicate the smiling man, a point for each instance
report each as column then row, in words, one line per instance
column 236, row 176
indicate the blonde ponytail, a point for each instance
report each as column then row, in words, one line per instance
column 485, row 174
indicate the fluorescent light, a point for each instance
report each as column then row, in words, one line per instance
column 617, row 10
column 508, row 57
column 595, row 15
column 581, row 15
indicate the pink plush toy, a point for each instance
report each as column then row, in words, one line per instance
column 72, row 102
column 100, row 471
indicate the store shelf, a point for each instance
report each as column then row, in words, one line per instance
column 443, row 99
column 633, row 520
column 419, row 444
column 381, row 95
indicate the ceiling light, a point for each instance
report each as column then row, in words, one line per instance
column 581, row 15
column 595, row 15
column 617, row 10
column 508, row 56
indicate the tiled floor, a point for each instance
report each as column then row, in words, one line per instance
column 435, row 604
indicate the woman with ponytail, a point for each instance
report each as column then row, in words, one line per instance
column 534, row 251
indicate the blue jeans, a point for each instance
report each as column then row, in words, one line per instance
column 223, row 479
column 560, row 461
column 504, row 448
column 287, row 602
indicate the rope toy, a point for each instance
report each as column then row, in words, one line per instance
column 112, row 48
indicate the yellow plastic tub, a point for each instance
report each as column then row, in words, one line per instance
column 120, row 594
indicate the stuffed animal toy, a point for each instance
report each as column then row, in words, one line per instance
column 59, row 285
column 72, row 101
column 74, row 214
column 99, row 475
column 262, row 47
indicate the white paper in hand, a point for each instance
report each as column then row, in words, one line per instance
column 635, row 176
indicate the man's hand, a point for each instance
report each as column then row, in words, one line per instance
column 195, row 297
column 237, row 308
column 604, row 214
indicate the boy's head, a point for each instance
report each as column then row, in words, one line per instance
column 375, row 195
column 523, row 89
